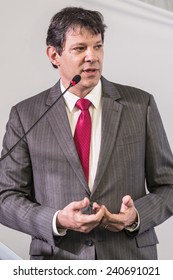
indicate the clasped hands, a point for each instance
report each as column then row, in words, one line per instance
column 72, row 217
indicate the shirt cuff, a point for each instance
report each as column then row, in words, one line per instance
column 135, row 226
column 56, row 231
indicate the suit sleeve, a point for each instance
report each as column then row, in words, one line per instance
column 18, row 208
column 157, row 205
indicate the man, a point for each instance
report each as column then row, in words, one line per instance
column 75, row 205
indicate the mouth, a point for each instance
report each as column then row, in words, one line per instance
column 90, row 70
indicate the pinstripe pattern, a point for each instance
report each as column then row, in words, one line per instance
column 44, row 174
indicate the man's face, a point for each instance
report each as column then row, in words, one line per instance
column 82, row 54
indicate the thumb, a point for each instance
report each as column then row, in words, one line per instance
column 127, row 202
column 80, row 204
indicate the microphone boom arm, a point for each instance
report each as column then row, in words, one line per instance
column 76, row 79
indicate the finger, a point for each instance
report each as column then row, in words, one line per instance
column 98, row 216
column 96, row 207
column 78, row 205
column 115, row 227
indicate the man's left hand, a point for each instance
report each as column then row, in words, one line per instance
column 117, row 222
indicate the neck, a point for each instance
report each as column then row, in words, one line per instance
column 80, row 92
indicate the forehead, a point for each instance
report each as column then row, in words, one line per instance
column 80, row 33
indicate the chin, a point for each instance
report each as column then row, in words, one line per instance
column 91, row 81
column 90, row 85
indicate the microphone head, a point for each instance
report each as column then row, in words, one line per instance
column 76, row 79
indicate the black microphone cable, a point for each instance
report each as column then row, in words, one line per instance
column 76, row 79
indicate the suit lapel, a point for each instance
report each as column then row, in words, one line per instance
column 111, row 113
column 58, row 120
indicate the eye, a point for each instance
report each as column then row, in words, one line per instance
column 99, row 46
column 79, row 49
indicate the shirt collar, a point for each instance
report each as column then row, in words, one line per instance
column 94, row 96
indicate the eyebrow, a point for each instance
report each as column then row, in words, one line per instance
column 82, row 43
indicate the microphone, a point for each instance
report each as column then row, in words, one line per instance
column 76, row 79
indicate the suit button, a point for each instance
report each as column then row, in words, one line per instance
column 89, row 242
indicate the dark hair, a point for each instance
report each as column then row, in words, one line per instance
column 71, row 17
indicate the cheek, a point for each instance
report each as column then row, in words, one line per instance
column 101, row 57
column 73, row 62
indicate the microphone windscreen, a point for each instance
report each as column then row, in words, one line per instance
column 76, row 79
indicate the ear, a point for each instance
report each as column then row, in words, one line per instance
column 53, row 55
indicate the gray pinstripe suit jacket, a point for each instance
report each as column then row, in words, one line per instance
column 44, row 174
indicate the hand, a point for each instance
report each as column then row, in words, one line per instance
column 117, row 222
column 71, row 217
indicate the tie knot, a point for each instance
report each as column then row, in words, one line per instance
column 83, row 104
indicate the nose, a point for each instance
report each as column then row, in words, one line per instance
column 91, row 55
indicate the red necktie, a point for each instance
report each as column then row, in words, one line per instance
column 82, row 134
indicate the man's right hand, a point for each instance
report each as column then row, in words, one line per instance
column 71, row 217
